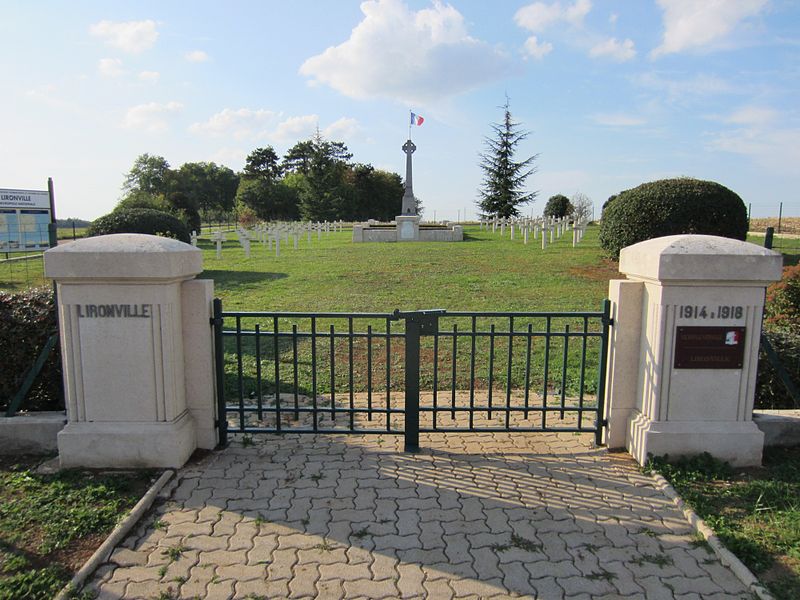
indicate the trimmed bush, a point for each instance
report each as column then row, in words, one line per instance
column 140, row 220
column 671, row 207
column 558, row 206
column 27, row 319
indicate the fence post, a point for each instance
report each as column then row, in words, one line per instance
column 412, row 384
column 219, row 361
column 768, row 237
column 601, row 388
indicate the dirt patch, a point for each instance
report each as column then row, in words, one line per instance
column 605, row 270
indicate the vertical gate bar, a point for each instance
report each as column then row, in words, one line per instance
column 369, row 372
column 333, row 375
column 294, row 362
column 491, row 367
column 388, row 374
column 435, row 376
column 528, row 370
column 259, row 400
column 314, row 415
column 508, row 368
column 583, row 371
column 601, row 384
column 472, row 373
column 239, row 369
column 454, row 373
column 350, row 350
column 277, row 349
column 219, row 360
column 564, row 370
column 412, row 385
column 546, row 373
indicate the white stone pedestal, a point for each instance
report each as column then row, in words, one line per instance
column 408, row 228
column 121, row 324
column 685, row 347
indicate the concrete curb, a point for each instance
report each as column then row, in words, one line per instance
column 725, row 556
column 116, row 536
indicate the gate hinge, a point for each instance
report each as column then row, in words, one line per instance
column 609, row 321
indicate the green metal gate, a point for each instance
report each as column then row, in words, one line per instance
column 410, row 372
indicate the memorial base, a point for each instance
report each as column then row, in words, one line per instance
column 127, row 444
column 738, row 442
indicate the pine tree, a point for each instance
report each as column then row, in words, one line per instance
column 503, row 188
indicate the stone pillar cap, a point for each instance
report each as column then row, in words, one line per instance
column 123, row 256
column 694, row 258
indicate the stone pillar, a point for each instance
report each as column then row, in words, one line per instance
column 684, row 357
column 407, row 228
column 128, row 309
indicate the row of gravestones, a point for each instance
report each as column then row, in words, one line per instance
column 271, row 235
column 544, row 227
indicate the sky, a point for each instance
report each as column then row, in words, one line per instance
column 613, row 93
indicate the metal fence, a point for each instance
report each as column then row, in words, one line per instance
column 410, row 372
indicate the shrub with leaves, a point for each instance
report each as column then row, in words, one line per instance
column 140, row 220
column 27, row 319
column 782, row 310
column 771, row 392
column 671, row 207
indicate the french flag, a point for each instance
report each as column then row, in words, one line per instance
column 416, row 119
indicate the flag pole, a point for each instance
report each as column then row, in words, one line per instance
column 409, row 124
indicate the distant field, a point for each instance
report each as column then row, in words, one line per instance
column 788, row 224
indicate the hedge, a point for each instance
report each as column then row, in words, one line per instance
column 140, row 220
column 771, row 393
column 671, row 207
column 27, row 319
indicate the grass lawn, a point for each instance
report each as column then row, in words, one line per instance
column 50, row 524
column 755, row 512
column 486, row 272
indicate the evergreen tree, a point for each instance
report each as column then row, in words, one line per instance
column 503, row 187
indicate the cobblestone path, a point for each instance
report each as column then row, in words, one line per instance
column 471, row 516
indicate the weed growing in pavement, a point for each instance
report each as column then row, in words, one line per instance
column 324, row 546
column 317, row 477
column 159, row 524
column 162, row 571
column 247, row 441
column 601, row 575
column 174, row 552
column 361, row 533
column 660, row 560
column 524, row 544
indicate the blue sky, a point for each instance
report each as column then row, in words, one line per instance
column 613, row 92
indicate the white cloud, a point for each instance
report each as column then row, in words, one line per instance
column 149, row 76
column 775, row 150
column 129, row 36
column 618, row 120
column 534, row 49
column 196, row 56
column 415, row 57
column 110, row 67
column 150, row 118
column 539, row 16
column 692, row 24
column 295, row 128
column 614, row 49
column 240, row 124
column 342, row 129
column 679, row 89
column 612, row 18
column 752, row 115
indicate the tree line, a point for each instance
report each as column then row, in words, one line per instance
column 315, row 180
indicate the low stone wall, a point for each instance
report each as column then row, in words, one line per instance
column 32, row 433
column 780, row 427
column 363, row 233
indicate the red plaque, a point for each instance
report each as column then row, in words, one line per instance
column 709, row 347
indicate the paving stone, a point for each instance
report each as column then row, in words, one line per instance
column 482, row 589
column 372, row 589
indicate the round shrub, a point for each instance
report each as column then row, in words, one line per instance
column 671, row 207
column 558, row 206
column 140, row 220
